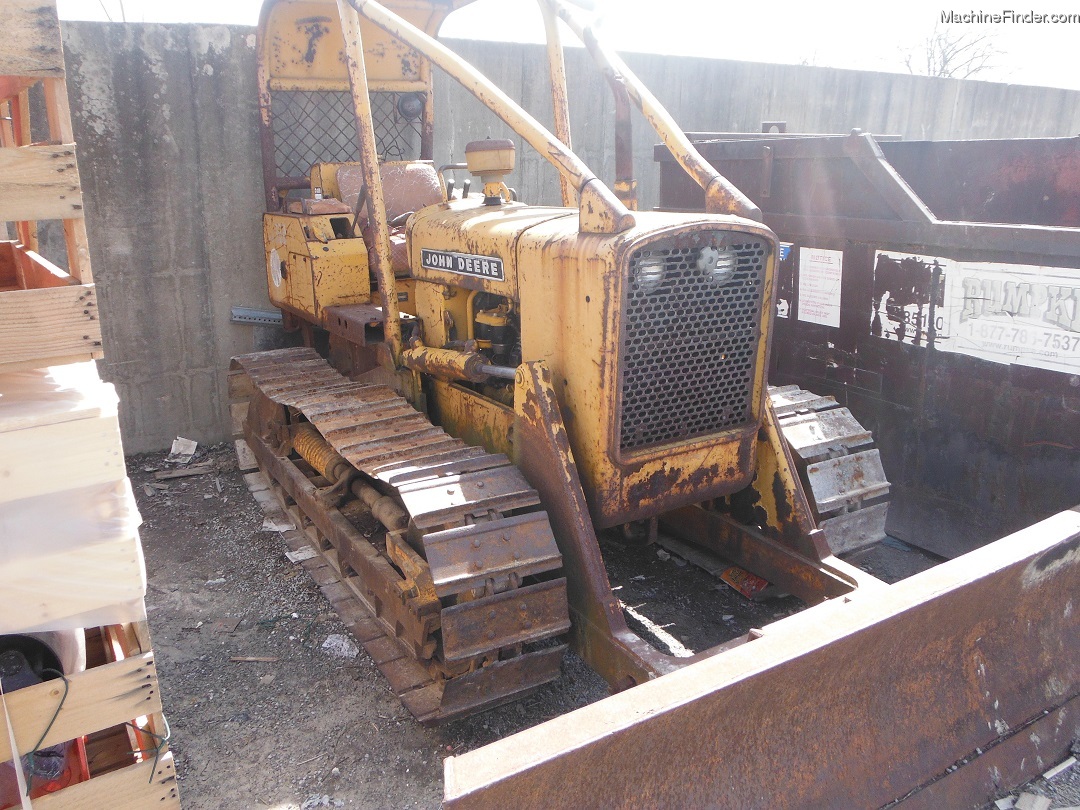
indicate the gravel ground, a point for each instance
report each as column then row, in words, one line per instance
column 307, row 728
column 1063, row 790
column 286, row 732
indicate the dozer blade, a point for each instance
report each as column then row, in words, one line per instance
column 940, row 691
column 460, row 604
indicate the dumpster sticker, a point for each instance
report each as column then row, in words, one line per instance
column 1012, row 313
column 786, row 276
column 903, row 286
column 820, row 274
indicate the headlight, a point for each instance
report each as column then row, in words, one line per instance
column 719, row 264
column 649, row 273
column 410, row 106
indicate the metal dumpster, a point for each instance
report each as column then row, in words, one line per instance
column 934, row 289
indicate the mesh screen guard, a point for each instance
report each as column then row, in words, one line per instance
column 691, row 340
column 320, row 126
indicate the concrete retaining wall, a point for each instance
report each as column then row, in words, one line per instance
column 166, row 123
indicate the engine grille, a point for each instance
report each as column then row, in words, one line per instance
column 314, row 126
column 689, row 344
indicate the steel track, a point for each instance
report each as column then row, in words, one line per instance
column 471, row 613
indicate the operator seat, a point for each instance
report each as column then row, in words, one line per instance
column 407, row 187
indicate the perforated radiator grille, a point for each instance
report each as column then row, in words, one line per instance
column 690, row 339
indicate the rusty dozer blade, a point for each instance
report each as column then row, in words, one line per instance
column 939, row 691
column 457, row 596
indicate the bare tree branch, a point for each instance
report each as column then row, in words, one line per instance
column 954, row 55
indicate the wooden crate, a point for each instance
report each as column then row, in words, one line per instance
column 116, row 704
column 70, row 554
column 47, row 315
column 59, row 432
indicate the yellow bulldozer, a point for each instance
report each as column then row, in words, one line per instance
column 486, row 384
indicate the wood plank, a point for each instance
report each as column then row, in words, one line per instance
column 52, row 395
column 95, row 656
column 60, row 457
column 32, row 44
column 245, row 459
column 108, row 750
column 695, row 556
column 97, row 698
column 140, row 632
column 8, row 114
column 78, row 249
column 9, row 276
column 237, row 417
column 185, row 472
column 39, row 182
column 20, row 128
column 39, row 273
column 12, row 86
column 122, row 642
column 39, row 325
column 112, row 587
column 57, row 360
column 136, row 787
column 58, row 111
column 61, row 131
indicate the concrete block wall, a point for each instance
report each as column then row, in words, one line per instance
column 166, row 125
column 166, row 122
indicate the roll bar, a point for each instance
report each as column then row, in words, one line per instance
column 600, row 210
column 721, row 196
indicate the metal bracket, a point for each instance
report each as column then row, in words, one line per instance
column 259, row 317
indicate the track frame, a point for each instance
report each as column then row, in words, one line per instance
column 490, row 633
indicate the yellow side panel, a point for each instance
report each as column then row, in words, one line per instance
column 474, row 419
column 307, row 276
column 467, row 228
column 303, row 44
column 406, row 296
column 301, row 289
column 288, row 270
column 340, row 273
column 443, row 311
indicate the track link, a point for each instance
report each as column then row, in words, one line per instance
column 461, row 608
column 839, row 465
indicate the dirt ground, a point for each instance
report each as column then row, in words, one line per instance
column 287, row 732
column 307, row 726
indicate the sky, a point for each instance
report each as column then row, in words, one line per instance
column 845, row 34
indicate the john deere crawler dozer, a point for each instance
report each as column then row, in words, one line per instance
column 485, row 384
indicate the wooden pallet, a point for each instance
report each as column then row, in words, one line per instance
column 116, row 704
column 48, row 315
column 70, row 547
column 69, row 543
